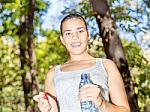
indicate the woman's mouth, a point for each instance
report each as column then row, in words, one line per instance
column 75, row 44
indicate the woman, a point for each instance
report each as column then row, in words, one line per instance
column 62, row 81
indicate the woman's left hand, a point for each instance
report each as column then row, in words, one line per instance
column 91, row 92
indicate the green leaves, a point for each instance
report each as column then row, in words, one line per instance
column 49, row 52
column 140, row 71
column 11, row 13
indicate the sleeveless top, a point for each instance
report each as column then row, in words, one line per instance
column 67, row 85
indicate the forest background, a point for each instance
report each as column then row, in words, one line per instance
column 29, row 46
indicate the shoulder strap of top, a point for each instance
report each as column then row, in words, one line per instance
column 57, row 69
column 99, row 64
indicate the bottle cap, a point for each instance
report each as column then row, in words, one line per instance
column 85, row 76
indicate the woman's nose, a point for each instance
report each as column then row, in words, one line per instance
column 74, row 35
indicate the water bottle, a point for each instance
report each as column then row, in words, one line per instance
column 87, row 106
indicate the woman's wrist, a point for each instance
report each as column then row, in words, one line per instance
column 102, row 104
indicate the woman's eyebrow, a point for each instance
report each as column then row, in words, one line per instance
column 76, row 29
column 80, row 28
column 66, row 31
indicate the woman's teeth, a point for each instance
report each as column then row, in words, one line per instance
column 77, row 44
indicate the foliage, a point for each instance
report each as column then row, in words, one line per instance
column 10, row 79
column 49, row 52
column 11, row 12
column 85, row 9
column 11, row 15
column 132, row 15
column 140, row 70
column 96, row 47
column 138, row 65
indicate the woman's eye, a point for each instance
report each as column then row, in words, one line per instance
column 81, row 31
column 68, row 33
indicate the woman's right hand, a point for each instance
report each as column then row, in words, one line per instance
column 44, row 102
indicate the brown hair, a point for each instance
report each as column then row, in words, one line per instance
column 70, row 16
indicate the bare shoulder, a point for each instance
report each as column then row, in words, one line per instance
column 116, row 86
column 49, row 76
column 109, row 64
column 49, row 83
column 51, row 72
column 110, row 67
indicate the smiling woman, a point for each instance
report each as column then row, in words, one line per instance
column 74, row 36
column 62, row 81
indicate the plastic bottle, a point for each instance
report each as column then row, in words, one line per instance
column 87, row 106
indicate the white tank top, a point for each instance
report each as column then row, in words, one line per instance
column 67, row 85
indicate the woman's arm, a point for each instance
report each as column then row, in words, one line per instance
column 117, row 90
column 50, row 89
column 49, row 83
column 47, row 101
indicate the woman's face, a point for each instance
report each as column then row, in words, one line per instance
column 75, row 36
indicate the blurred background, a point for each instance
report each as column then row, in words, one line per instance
column 30, row 46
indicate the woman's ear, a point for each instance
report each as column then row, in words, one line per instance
column 89, row 35
column 62, row 40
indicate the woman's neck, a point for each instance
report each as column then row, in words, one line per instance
column 80, row 57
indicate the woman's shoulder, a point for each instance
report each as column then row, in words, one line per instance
column 50, row 72
column 52, row 69
column 111, row 68
column 109, row 64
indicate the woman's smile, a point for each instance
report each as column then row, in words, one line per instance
column 76, row 44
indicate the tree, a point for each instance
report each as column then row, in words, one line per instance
column 139, row 67
column 113, row 47
column 49, row 52
column 27, row 53
column 20, row 27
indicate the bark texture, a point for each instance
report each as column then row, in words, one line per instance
column 113, row 47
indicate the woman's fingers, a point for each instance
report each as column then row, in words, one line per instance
column 44, row 105
column 88, row 86
column 90, row 96
column 41, row 93
column 44, row 101
column 37, row 97
column 90, row 92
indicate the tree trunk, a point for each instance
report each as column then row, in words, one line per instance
column 31, row 51
column 113, row 47
column 27, row 56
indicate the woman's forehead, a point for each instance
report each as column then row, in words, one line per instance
column 73, row 22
